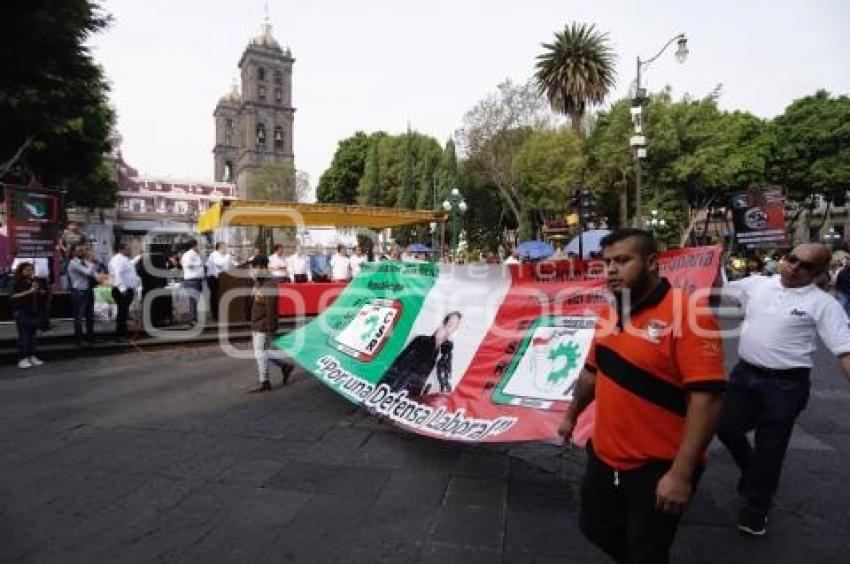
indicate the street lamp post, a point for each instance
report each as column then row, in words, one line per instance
column 638, row 140
column 831, row 237
column 456, row 205
column 654, row 223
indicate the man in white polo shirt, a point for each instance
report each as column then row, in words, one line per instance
column 769, row 386
column 340, row 265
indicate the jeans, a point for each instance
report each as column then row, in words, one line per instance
column 27, row 326
column 193, row 287
column 618, row 511
column 265, row 354
column 769, row 404
column 82, row 307
column 123, row 301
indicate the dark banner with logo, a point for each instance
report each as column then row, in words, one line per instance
column 32, row 216
column 759, row 217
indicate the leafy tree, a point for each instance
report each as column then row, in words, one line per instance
column 576, row 70
column 447, row 175
column 810, row 153
column 53, row 100
column 492, row 134
column 548, row 165
column 278, row 182
column 338, row 184
column 371, row 181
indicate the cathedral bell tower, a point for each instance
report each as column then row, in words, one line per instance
column 255, row 125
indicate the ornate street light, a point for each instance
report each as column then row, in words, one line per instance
column 654, row 223
column 457, row 206
column 638, row 140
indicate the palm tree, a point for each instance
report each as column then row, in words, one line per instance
column 576, row 70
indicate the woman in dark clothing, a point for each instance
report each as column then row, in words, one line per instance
column 27, row 298
column 412, row 367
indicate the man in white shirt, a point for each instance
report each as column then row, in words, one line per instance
column 299, row 266
column 340, row 265
column 769, row 386
column 125, row 281
column 277, row 265
column 193, row 277
column 218, row 262
column 356, row 260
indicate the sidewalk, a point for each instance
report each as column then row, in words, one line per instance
column 58, row 342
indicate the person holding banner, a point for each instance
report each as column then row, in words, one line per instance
column 769, row 387
column 264, row 324
column 655, row 370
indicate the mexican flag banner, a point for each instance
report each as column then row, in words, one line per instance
column 468, row 353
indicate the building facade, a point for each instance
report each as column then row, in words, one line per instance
column 254, row 121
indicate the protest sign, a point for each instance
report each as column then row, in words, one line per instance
column 466, row 353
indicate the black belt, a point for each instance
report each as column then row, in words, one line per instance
column 801, row 373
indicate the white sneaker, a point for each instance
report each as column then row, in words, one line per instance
column 35, row 362
column 25, row 363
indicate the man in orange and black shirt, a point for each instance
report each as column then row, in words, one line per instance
column 656, row 372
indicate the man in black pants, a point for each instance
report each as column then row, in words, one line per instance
column 125, row 281
column 769, row 386
column 655, row 370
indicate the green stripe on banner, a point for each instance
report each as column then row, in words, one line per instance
column 365, row 328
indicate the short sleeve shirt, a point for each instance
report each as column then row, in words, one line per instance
column 645, row 366
column 780, row 324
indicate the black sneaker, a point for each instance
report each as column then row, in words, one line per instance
column 286, row 371
column 752, row 521
column 265, row 386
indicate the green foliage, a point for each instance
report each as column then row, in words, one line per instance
column 338, row 184
column 576, row 70
column 548, row 166
column 53, row 100
column 277, row 182
column 811, row 150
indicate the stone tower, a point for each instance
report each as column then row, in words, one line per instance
column 254, row 125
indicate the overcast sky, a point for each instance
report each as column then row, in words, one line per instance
column 379, row 64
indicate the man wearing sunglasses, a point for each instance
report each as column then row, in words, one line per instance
column 769, row 386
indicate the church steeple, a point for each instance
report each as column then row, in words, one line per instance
column 254, row 124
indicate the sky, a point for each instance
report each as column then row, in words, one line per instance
column 381, row 64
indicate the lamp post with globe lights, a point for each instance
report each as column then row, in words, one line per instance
column 638, row 140
column 656, row 223
column 457, row 206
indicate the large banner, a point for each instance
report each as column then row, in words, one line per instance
column 467, row 353
column 759, row 217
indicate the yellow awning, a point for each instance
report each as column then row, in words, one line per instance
column 285, row 214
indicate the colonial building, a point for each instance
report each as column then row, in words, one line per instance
column 253, row 124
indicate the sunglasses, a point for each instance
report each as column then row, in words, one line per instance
column 794, row 260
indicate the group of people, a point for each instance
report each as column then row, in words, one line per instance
column 317, row 266
column 656, row 373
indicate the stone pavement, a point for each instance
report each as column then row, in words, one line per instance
column 161, row 457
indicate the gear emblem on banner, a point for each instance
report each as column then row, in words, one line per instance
column 370, row 323
column 570, row 353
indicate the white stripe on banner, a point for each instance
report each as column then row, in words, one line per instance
column 476, row 292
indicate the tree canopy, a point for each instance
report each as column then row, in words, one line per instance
column 53, row 100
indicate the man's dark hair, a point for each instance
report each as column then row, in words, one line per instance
column 191, row 244
column 117, row 247
column 260, row 261
column 646, row 242
column 218, row 245
column 452, row 314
